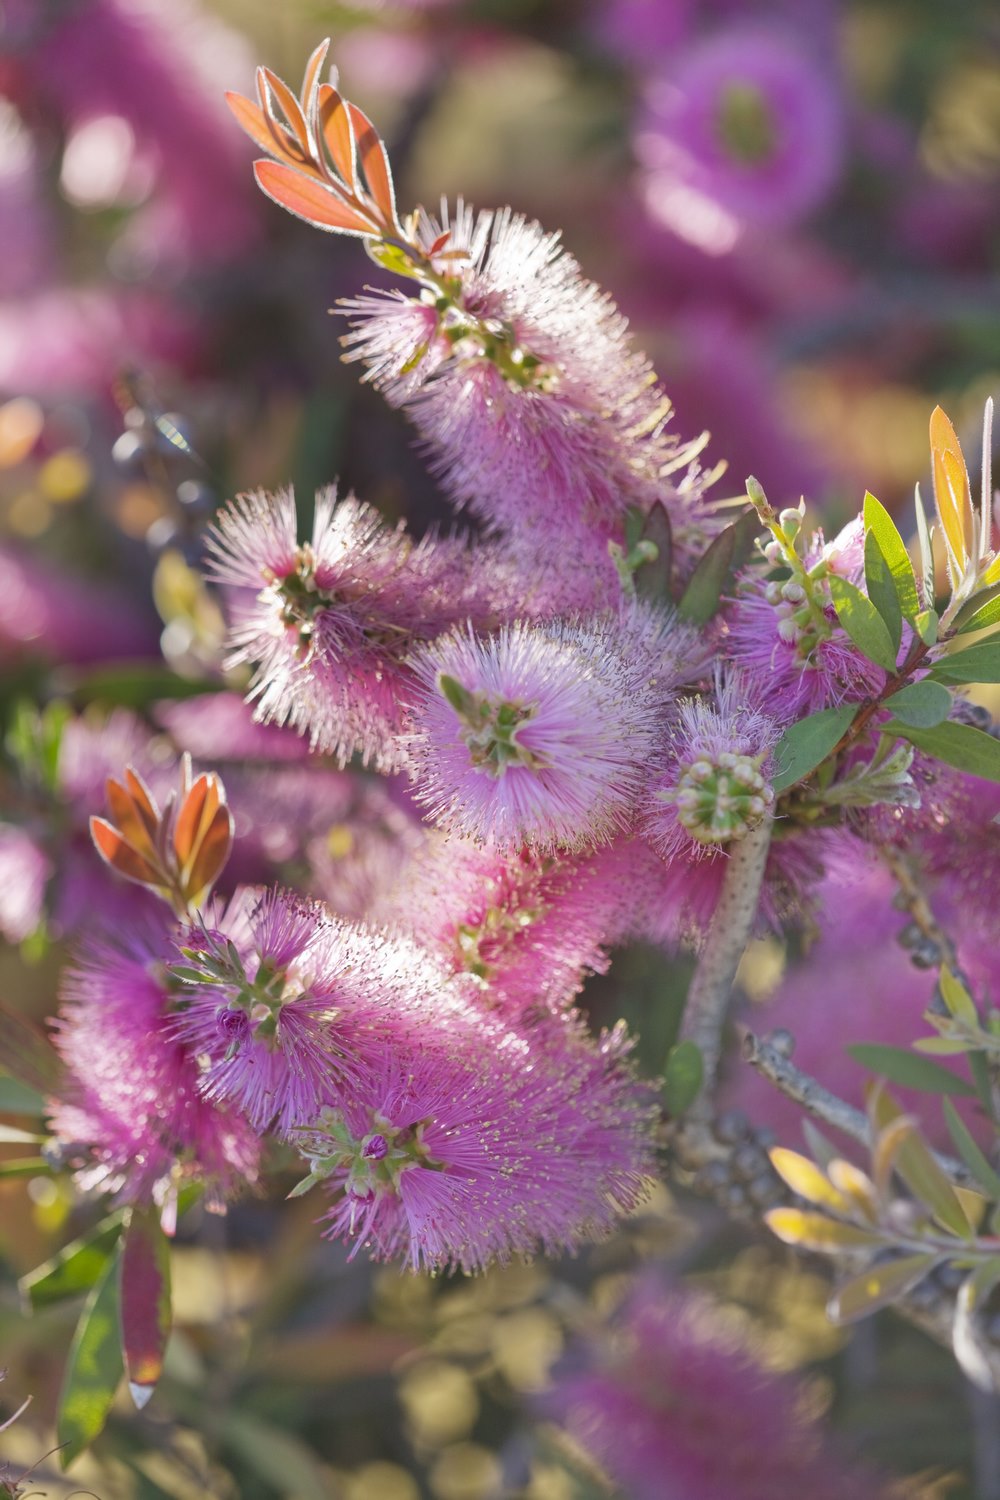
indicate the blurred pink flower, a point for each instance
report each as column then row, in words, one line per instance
column 641, row 32
column 48, row 613
column 745, row 127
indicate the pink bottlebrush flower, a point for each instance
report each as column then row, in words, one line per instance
column 745, row 127
column 641, row 32
column 134, row 1120
column 484, row 1149
column 538, row 413
column 25, row 869
column 716, row 785
column 526, row 928
column 538, row 734
column 330, row 621
column 48, row 613
column 285, row 1007
column 674, row 1405
column 797, row 645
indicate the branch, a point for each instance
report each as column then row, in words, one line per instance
column 728, row 934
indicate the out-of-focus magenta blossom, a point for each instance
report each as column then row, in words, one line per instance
column 45, row 612
column 328, row 622
column 744, row 128
column 24, row 870
column 671, row 1401
column 466, row 1154
column 137, row 63
column 641, row 32
column 539, row 734
column 133, row 1118
column 221, row 727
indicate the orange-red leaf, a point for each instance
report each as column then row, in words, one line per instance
column 310, row 200
column 129, row 819
column 121, row 856
column 374, row 163
column 194, row 814
column 310, row 82
column 213, row 851
column 251, row 118
column 274, row 89
column 951, row 485
column 143, row 799
column 335, row 124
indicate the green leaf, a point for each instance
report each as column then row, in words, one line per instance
column 652, row 579
column 977, row 605
column 941, row 1046
column 918, row 1168
column 93, row 1370
column 805, row 744
column 956, row 997
column 862, row 622
column 703, row 594
column 881, row 590
column 145, row 1301
column 988, row 615
column 926, row 625
column 878, row 1286
column 816, row 1232
column 132, row 686
column 978, row 663
column 17, row 1098
column 908, row 1069
column 958, row 745
column 970, row 1153
column 75, row 1268
column 880, row 525
column 921, row 704
column 682, row 1077
column 283, row 1461
column 25, row 1166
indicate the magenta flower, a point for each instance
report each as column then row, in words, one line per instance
column 745, row 127
column 221, row 726
column 539, row 734
column 480, row 1149
column 330, row 621
column 716, row 785
column 134, row 1121
column 671, row 1401
column 25, row 869
column 538, row 413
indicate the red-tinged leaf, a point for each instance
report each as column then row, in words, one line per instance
column 311, row 201
column 275, row 90
column 145, row 1301
column 213, row 851
column 440, row 243
column 375, row 164
column 252, row 119
column 310, row 82
column 194, row 814
column 335, row 124
column 129, row 820
column 121, row 856
column 144, row 801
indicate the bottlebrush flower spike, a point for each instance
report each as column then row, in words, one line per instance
column 330, row 165
column 968, row 535
column 180, row 852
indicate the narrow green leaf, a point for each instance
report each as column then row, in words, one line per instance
column 815, row 1231
column 881, row 589
column 703, row 594
column 970, row 1153
column 926, row 546
column 909, row 1070
column 926, row 625
column 956, row 997
column 145, row 1301
column 805, row 744
column 980, row 1070
column 974, row 606
column 921, row 704
column 941, row 1046
column 878, row 1286
column 958, row 745
column 917, row 1167
column 652, row 580
column 93, row 1370
column 75, row 1268
column 17, row 1098
column 978, row 663
column 682, row 1077
column 880, row 525
column 862, row 622
column 25, row 1166
column 982, row 619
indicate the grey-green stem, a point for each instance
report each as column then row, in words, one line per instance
column 728, row 934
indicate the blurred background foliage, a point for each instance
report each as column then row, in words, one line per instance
column 165, row 342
